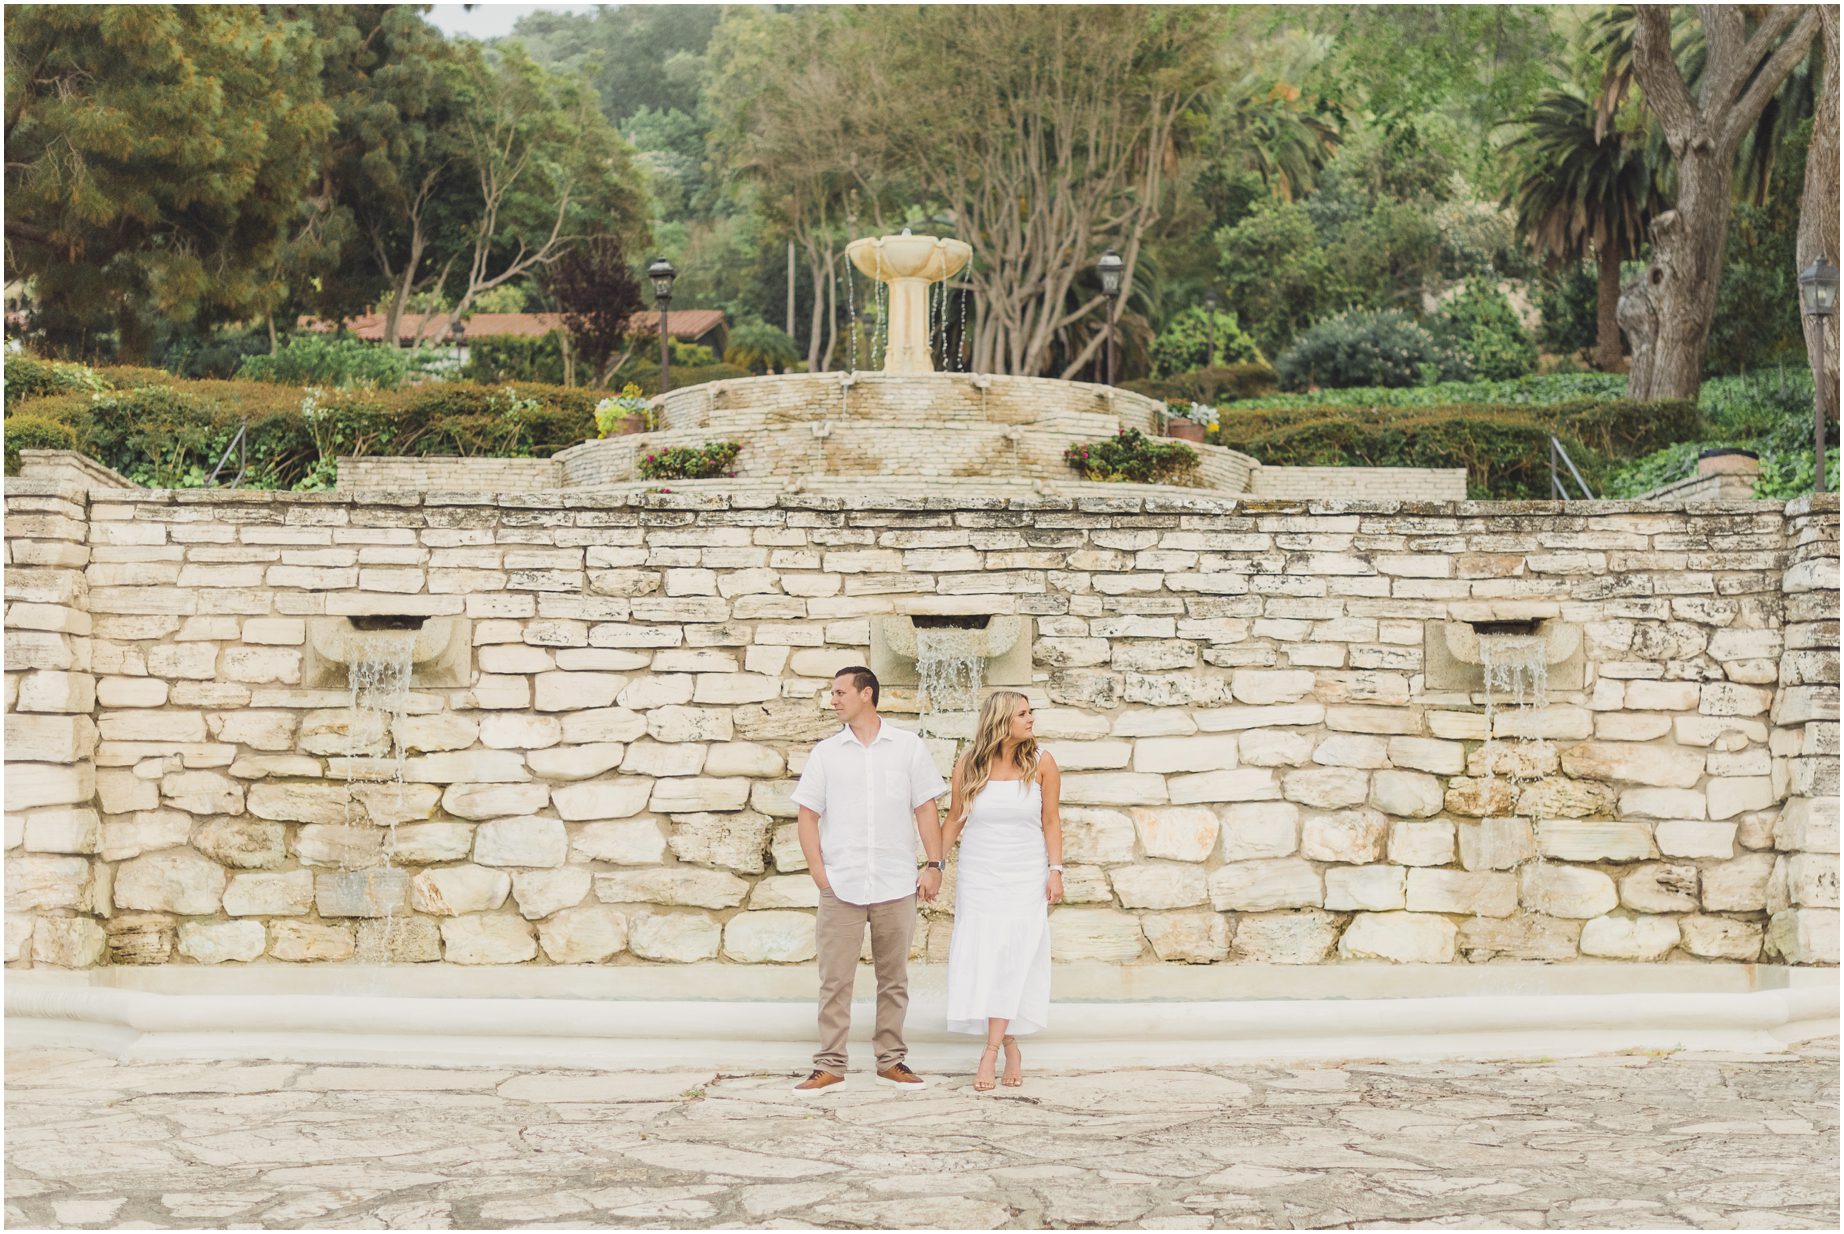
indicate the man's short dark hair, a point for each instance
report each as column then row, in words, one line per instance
column 862, row 679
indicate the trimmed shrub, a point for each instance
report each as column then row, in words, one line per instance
column 1484, row 336
column 28, row 377
column 322, row 360
column 216, row 356
column 705, row 462
column 1210, row 385
column 1361, row 349
column 646, row 375
column 1184, row 344
column 30, row 432
column 1132, row 456
column 515, row 357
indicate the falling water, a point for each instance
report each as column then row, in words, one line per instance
column 1516, row 670
column 950, row 665
column 378, row 685
column 961, row 343
column 851, row 311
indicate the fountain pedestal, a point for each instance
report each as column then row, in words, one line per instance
column 908, row 264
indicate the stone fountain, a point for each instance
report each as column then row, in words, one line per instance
column 908, row 264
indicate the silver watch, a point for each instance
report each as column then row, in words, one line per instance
column 935, row 865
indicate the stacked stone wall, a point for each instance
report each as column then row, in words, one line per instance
column 1256, row 766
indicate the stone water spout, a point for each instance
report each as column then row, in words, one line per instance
column 908, row 264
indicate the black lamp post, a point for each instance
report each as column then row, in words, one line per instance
column 1818, row 297
column 661, row 272
column 1111, row 267
column 456, row 332
column 1210, row 329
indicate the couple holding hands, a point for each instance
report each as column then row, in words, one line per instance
column 864, row 796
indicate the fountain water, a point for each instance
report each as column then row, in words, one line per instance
column 950, row 668
column 1516, row 669
column 905, row 267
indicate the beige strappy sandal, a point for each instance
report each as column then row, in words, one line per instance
column 985, row 1086
column 1010, row 1078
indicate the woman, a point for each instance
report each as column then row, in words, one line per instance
column 1005, row 802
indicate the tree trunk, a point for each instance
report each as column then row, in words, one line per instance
column 1607, row 348
column 1681, row 281
column 1818, row 218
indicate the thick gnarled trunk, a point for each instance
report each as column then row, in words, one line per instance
column 1818, row 219
column 1607, row 349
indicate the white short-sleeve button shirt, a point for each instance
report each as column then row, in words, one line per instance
column 866, row 797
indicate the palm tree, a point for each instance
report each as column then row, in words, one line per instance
column 1580, row 194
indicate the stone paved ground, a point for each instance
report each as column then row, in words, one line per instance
column 1719, row 1141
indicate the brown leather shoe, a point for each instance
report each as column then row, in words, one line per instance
column 900, row 1076
column 818, row 1081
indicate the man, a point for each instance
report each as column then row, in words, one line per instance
column 864, row 796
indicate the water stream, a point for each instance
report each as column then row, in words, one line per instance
column 378, row 685
column 950, row 668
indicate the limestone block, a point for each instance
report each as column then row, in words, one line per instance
column 1246, row 784
column 583, row 762
column 515, row 730
column 338, row 845
column 18, row 937
column 781, row 936
column 513, row 658
column 314, row 802
column 264, row 766
column 399, row 940
column 288, row 894
column 242, row 843
column 153, row 725
column 785, row 851
column 1081, row 933
column 1405, row 938
column 219, row 942
column 1559, row 797
column 1574, row 839
column 278, row 631
column 566, row 691
column 1103, row 837
column 45, row 882
column 1354, row 836
column 1566, row 891
column 1660, row 766
column 731, row 688
column 681, row 938
column 774, row 798
column 653, row 758
column 697, row 794
column 139, row 938
column 1738, row 885
column 1661, row 887
column 144, row 833
column 1727, row 698
column 425, row 843
column 1189, row 938
column 1160, row 884
column 482, row 801
column 386, row 805
column 530, row 842
column 787, row 891
column 1812, row 880
column 1326, row 788
column 30, row 785
column 1732, row 795
column 539, row 893
column 1205, row 752
column 1406, row 794
column 619, row 797
column 586, row 935
column 729, row 841
column 1688, row 838
column 1662, row 695
column 1304, row 936
column 675, row 724
column 453, row 891
column 374, row 892
column 1526, row 936
column 345, row 730
column 495, row 938
column 179, row 881
column 1252, row 886
column 633, row 842
column 1479, row 894
column 1447, row 758
column 1496, row 843
column 68, row 942
column 478, row 766
column 1114, row 788
column 260, row 665
column 1724, row 732
column 1351, row 750
column 1366, row 887
column 1273, row 748
column 304, row 941
column 1265, row 687
column 49, row 739
column 442, row 731
column 1180, row 833
column 1421, row 844
column 1091, row 755
column 1259, row 829
column 688, row 886
column 63, row 830
column 1720, row 938
column 744, row 758
column 259, row 730
column 1664, row 803
column 1629, row 938
column 1804, row 935
column 55, row 691
column 1472, row 797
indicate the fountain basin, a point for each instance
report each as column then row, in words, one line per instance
column 437, row 648
column 1002, row 644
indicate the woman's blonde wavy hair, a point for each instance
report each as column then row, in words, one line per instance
column 988, row 739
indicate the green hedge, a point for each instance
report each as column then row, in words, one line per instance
column 30, row 432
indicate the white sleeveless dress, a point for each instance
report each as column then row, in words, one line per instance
column 999, row 957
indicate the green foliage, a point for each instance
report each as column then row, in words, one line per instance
column 1769, row 412
column 611, row 412
column 1185, row 343
column 1546, row 388
column 29, row 377
column 1566, row 301
column 646, row 375
column 691, row 355
column 1481, row 330
column 515, row 357
column 1361, row 349
column 214, row 353
column 1275, row 272
column 30, row 432
column 1132, row 456
column 329, row 360
column 761, row 348
column 1757, row 299
column 705, row 462
column 1210, row 385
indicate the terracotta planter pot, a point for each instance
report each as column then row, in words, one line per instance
column 633, row 424
column 1184, row 430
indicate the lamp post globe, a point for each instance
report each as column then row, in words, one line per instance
column 1111, row 269
column 1818, row 297
column 661, row 272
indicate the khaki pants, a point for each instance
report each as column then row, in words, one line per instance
column 839, row 937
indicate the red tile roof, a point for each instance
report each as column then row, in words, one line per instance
column 680, row 323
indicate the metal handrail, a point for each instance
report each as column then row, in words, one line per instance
column 1556, row 486
column 241, row 444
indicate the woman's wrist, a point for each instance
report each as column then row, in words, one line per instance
column 1056, row 868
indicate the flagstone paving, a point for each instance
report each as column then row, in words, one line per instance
column 1707, row 1140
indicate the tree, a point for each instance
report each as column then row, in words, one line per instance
column 1666, row 313
column 1818, row 214
column 156, row 158
column 1581, row 193
column 599, row 296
